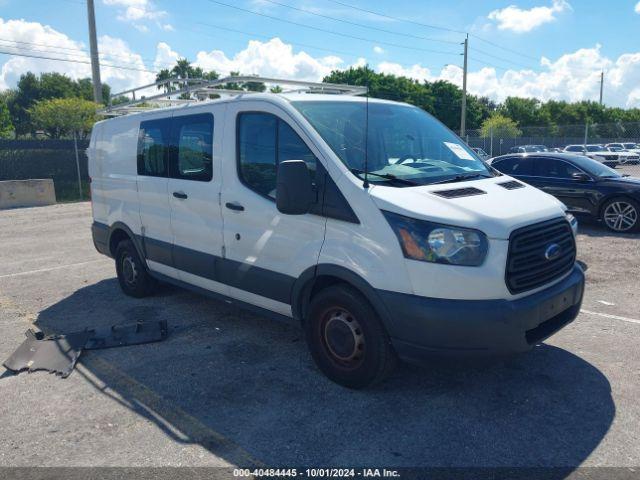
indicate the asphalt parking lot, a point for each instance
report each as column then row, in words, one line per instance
column 231, row 388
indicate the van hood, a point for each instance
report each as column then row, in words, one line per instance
column 496, row 211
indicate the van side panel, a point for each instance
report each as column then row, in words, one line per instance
column 114, row 172
column 94, row 157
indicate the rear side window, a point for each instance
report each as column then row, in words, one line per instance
column 549, row 167
column 153, row 148
column 264, row 141
column 192, row 157
column 514, row 166
column 575, row 148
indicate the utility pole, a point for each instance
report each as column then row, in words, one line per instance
column 601, row 85
column 463, row 113
column 95, row 60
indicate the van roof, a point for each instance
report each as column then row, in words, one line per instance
column 176, row 92
column 270, row 97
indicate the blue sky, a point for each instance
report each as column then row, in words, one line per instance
column 541, row 48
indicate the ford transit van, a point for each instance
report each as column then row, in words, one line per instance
column 367, row 221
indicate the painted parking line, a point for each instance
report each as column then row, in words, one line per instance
column 164, row 412
column 614, row 317
column 57, row 267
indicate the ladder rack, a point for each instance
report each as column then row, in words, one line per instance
column 200, row 89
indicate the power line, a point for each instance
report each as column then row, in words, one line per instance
column 500, row 58
column 436, row 27
column 441, row 52
column 360, row 24
column 504, row 48
column 69, row 60
column 53, row 49
column 426, row 25
column 269, row 37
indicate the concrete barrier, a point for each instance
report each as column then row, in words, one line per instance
column 26, row 193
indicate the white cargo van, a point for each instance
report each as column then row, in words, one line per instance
column 262, row 200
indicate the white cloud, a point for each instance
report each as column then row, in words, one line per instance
column 269, row 59
column 519, row 20
column 572, row 77
column 637, row 9
column 378, row 50
column 165, row 57
column 416, row 71
column 138, row 11
column 113, row 51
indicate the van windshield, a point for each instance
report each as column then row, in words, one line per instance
column 403, row 142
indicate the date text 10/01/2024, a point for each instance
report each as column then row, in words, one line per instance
column 317, row 472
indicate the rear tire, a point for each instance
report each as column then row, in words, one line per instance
column 621, row 215
column 133, row 276
column 346, row 338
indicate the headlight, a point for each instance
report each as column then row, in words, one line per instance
column 573, row 222
column 433, row 242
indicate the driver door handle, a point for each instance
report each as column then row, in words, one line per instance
column 180, row 195
column 234, row 206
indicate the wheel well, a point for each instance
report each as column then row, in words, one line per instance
column 324, row 281
column 315, row 286
column 117, row 236
column 612, row 197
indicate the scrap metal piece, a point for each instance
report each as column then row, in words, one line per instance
column 128, row 334
column 57, row 353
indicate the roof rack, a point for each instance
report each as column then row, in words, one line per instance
column 192, row 90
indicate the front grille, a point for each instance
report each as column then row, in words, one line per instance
column 527, row 264
column 459, row 192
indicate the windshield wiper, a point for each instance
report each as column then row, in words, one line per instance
column 388, row 176
column 459, row 178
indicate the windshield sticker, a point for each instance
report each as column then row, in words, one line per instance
column 459, row 151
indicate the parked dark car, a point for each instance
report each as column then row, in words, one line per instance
column 584, row 185
column 528, row 149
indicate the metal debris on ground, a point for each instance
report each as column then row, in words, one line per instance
column 59, row 353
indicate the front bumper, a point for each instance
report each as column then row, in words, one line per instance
column 421, row 327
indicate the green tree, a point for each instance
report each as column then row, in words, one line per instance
column 182, row 70
column 525, row 111
column 6, row 127
column 31, row 89
column 499, row 126
column 58, row 117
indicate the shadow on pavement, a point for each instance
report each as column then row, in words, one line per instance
column 593, row 228
column 245, row 388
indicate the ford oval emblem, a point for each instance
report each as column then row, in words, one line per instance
column 552, row 251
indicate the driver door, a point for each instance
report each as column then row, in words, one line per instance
column 266, row 251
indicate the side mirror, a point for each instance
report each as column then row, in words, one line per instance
column 580, row 176
column 294, row 192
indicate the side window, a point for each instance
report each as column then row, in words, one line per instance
column 257, row 151
column 549, row 167
column 193, row 158
column 153, row 148
column 291, row 146
column 575, row 148
column 264, row 141
column 515, row 166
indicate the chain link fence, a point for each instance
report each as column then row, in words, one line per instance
column 64, row 161
column 620, row 136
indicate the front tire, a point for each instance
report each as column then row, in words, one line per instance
column 346, row 338
column 133, row 276
column 621, row 215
